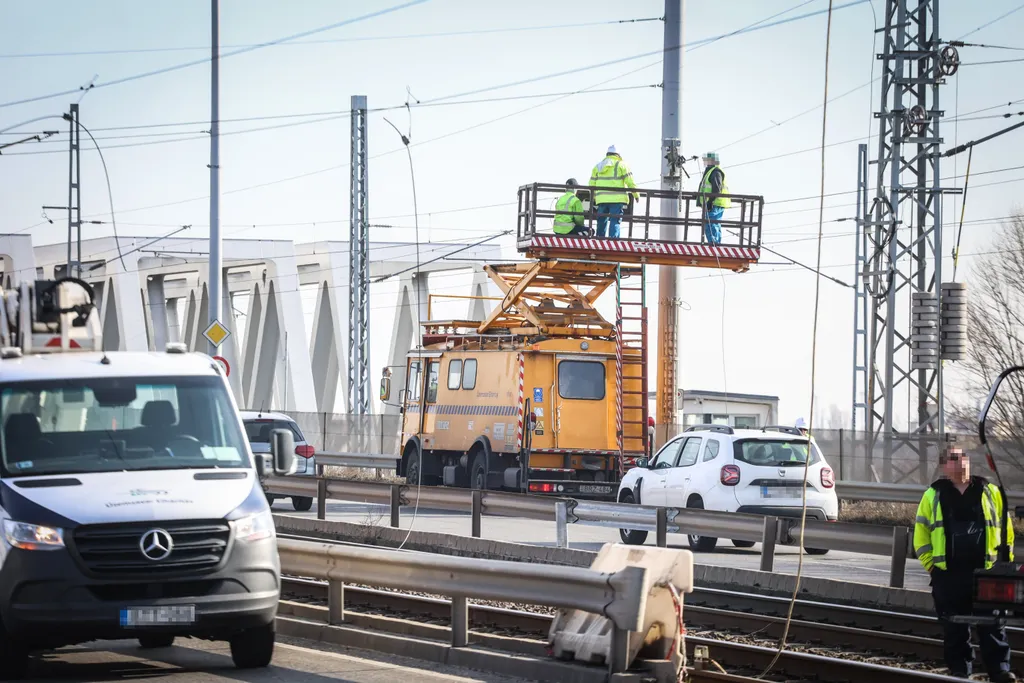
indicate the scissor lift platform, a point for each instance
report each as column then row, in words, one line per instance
column 739, row 248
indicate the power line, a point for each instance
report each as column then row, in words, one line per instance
column 324, row 41
column 989, row 23
column 196, row 62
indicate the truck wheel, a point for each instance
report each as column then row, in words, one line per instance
column 155, row 642
column 253, row 648
column 412, row 469
column 13, row 659
column 631, row 536
column 302, row 504
column 478, row 475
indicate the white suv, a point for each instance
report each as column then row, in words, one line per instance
column 715, row 467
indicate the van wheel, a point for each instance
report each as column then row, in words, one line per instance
column 631, row 536
column 816, row 551
column 13, row 659
column 702, row 544
column 253, row 648
column 302, row 504
column 478, row 475
column 155, row 642
column 743, row 544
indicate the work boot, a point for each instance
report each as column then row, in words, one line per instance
column 1003, row 677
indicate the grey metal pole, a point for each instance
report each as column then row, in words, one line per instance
column 216, row 260
column 669, row 295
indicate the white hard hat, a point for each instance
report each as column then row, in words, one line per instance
column 611, row 150
column 801, row 424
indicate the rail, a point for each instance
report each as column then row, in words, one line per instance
column 885, row 541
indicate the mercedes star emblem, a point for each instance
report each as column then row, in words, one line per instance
column 156, row 544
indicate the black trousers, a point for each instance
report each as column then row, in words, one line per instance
column 953, row 594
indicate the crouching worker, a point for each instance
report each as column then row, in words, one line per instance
column 569, row 212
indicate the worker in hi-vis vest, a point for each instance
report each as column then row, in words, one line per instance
column 569, row 217
column 959, row 529
column 713, row 183
column 613, row 177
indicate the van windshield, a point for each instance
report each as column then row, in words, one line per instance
column 774, row 453
column 76, row 426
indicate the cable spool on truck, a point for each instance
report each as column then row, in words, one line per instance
column 546, row 394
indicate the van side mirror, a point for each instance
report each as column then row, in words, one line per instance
column 282, row 449
column 385, row 388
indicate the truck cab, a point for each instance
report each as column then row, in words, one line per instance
column 130, row 501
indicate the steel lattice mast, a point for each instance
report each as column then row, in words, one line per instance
column 904, row 260
column 359, row 267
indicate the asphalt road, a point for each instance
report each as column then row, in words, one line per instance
column 194, row 661
column 837, row 565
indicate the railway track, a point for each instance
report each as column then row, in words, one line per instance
column 828, row 651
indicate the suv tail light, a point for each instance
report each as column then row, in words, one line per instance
column 828, row 477
column 730, row 475
column 306, row 451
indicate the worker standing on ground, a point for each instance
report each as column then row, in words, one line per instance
column 713, row 183
column 569, row 212
column 613, row 176
column 958, row 530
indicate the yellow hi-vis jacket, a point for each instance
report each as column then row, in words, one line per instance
column 612, row 173
column 564, row 223
column 930, row 535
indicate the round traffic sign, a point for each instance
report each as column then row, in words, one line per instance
column 223, row 361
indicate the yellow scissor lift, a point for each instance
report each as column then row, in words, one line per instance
column 549, row 308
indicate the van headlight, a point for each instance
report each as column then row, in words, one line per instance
column 32, row 536
column 255, row 527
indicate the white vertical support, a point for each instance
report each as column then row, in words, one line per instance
column 480, row 287
column 126, row 313
column 251, row 346
column 157, row 321
column 229, row 347
column 330, row 338
column 298, row 385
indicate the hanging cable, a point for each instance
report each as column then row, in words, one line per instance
column 814, row 354
column 963, row 208
column 110, row 194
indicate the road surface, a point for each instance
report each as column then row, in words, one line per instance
column 837, row 565
column 194, row 661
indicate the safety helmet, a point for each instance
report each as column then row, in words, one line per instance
column 611, row 149
column 571, row 182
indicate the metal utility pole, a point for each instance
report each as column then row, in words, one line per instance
column 904, row 270
column 860, row 297
column 359, row 266
column 74, row 194
column 216, row 260
column 669, row 296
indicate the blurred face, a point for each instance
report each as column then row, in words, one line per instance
column 708, row 161
column 957, row 467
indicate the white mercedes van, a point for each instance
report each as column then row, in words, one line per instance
column 130, row 503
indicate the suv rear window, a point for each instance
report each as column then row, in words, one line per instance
column 258, row 431
column 774, row 452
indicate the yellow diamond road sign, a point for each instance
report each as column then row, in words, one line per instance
column 216, row 333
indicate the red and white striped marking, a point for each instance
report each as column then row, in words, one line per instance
column 618, row 375
column 519, row 426
column 645, row 247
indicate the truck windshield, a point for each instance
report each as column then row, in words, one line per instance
column 75, row 426
column 774, row 453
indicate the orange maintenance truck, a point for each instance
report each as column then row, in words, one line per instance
column 547, row 394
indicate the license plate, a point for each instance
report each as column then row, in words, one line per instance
column 779, row 492
column 135, row 617
column 591, row 488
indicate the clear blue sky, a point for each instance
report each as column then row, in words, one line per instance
column 749, row 332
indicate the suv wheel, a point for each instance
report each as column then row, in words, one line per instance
column 816, row 551
column 743, row 544
column 701, row 544
column 631, row 536
column 253, row 648
column 13, row 658
column 301, row 503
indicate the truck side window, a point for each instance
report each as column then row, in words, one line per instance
column 413, row 385
column 454, row 373
column 469, row 374
column 433, row 373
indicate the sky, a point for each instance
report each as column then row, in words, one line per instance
column 493, row 83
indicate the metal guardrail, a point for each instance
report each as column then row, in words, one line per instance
column 896, row 493
column 770, row 531
column 621, row 596
column 379, row 461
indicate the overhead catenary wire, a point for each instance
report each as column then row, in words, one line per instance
column 814, row 357
column 110, row 193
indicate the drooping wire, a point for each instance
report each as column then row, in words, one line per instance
column 814, row 358
column 963, row 208
column 418, row 334
column 110, row 194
